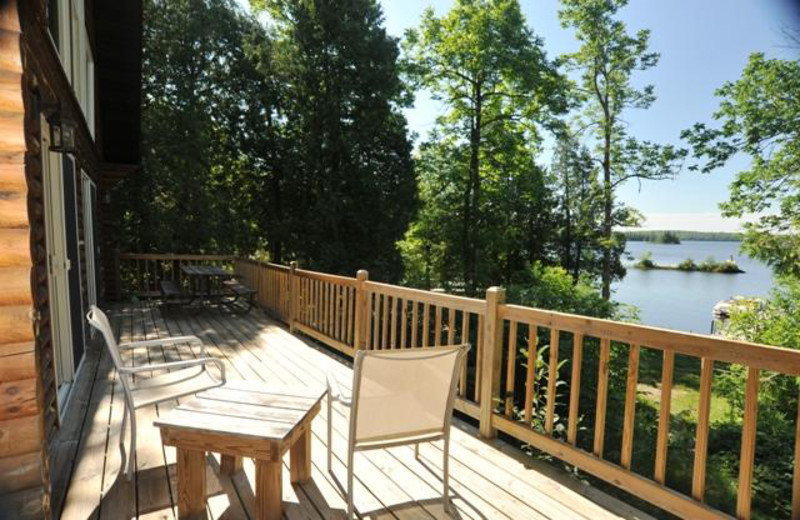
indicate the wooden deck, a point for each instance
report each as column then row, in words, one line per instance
column 488, row 480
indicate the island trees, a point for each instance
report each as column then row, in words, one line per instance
column 759, row 115
column 607, row 59
column 490, row 71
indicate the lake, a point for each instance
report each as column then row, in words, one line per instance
column 681, row 300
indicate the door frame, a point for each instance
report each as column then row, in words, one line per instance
column 58, row 267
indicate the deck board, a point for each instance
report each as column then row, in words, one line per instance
column 488, row 480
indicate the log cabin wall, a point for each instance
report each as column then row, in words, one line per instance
column 32, row 82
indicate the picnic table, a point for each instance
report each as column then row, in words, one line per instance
column 242, row 419
column 205, row 280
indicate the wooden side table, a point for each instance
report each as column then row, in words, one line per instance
column 242, row 419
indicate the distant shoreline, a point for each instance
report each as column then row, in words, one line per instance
column 688, row 236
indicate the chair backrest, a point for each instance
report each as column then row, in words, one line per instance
column 99, row 321
column 404, row 394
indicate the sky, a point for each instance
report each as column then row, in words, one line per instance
column 702, row 43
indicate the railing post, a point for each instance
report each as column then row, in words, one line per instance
column 360, row 338
column 492, row 357
column 292, row 296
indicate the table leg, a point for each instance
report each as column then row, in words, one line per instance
column 230, row 464
column 191, row 484
column 300, row 455
column 268, row 490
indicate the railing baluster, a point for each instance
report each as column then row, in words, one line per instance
column 393, row 311
column 701, row 438
column 426, row 318
column 403, row 323
column 530, row 372
column 437, row 334
column 462, row 385
column 414, row 323
column 385, row 323
column 479, row 364
column 748, row 453
column 630, row 406
column 575, row 387
column 511, row 364
column 662, row 442
column 602, row 397
column 552, row 379
column 451, row 325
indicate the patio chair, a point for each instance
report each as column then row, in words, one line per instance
column 398, row 398
column 183, row 377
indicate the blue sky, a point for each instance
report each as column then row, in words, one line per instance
column 703, row 43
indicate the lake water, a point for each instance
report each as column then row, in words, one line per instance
column 683, row 301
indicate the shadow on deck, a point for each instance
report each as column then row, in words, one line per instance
column 488, row 480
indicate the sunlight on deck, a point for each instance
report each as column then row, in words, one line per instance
column 489, row 480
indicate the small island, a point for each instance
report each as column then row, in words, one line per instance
column 709, row 265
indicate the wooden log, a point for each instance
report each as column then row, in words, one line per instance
column 18, row 399
column 21, row 435
column 15, row 247
column 19, row 366
column 20, row 471
column 16, row 324
column 630, row 407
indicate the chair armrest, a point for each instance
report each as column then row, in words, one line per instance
column 177, row 364
column 335, row 392
column 164, row 341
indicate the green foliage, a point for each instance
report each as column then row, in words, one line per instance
column 646, row 261
column 203, row 102
column 687, row 265
column 607, row 59
column 549, row 287
column 350, row 190
column 479, row 181
column 759, row 116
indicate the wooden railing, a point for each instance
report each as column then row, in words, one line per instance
column 500, row 385
column 139, row 274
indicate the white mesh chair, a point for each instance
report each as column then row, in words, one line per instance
column 178, row 378
column 398, row 398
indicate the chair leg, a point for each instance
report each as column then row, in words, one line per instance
column 446, row 476
column 330, row 432
column 132, row 455
column 350, row 458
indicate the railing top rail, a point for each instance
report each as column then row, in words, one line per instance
column 331, row 278
column 451, row 301
column 765, row 357
column 262, row 263
column 172, row 256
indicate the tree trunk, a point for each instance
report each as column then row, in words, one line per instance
column 608, row 204
column 471, row 230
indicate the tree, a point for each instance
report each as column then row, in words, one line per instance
column 580, row 208
column 352, row 170
column 203, row 107
column 759, row 116
column 491, row 72
column 607, row 59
